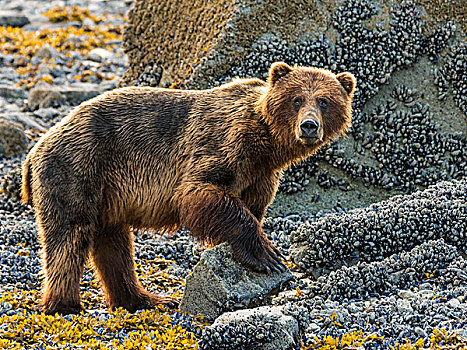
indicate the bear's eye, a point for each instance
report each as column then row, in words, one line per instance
column 297, row 103
column 323, row 104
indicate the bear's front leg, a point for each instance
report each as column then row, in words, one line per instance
column 259, row 195
column 214, row 215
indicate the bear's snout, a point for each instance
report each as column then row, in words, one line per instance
column 309, row 128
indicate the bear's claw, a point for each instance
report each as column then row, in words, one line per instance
column 263, row 258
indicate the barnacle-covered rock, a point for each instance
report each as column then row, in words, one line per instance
column 383, row 228
column 262, row 328
column 219, row 283
column 398, row 272
column 405, row 298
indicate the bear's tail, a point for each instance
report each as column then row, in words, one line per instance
column 26, row 183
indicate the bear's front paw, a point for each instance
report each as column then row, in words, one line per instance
column 259, row 255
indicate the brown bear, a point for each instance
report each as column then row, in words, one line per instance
column 157, row 158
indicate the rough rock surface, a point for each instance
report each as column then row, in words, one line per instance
column 13, row 140
column 218, row 283
column 409, row 132
column 262, row 328
column 27, row 120
column 79, row 93
column 8, row 91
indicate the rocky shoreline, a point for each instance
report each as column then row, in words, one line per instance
column 376, row 244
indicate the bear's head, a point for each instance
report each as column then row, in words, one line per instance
column 306, row 107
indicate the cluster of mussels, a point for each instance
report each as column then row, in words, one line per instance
column 382, row 229
column 371, row 54
column 180, row 248
column 397, row 272
column 405, row 298
column 454, row 73
column 409, row 149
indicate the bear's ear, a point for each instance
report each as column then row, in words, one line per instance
column 347, row 81
column 278, row 70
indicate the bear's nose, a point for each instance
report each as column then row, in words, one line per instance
column 309, row 128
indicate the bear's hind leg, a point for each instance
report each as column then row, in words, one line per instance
column 65, row 249
column 112, row 254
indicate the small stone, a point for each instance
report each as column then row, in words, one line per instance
column 13, row 19
column 88, row 22
column 454, row 303
column 403, row 306
column 406, row 294
column 425, row 286
column 99, row 55
column 80, row 92
column 44, row 96
column 313, row 328
column 47, row 52
column 420, row 332
column 13, row 140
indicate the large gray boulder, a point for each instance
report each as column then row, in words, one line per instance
column 219, row 283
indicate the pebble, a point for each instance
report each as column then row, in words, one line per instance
column 13, row 19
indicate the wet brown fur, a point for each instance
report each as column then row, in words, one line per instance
column 157, row 158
